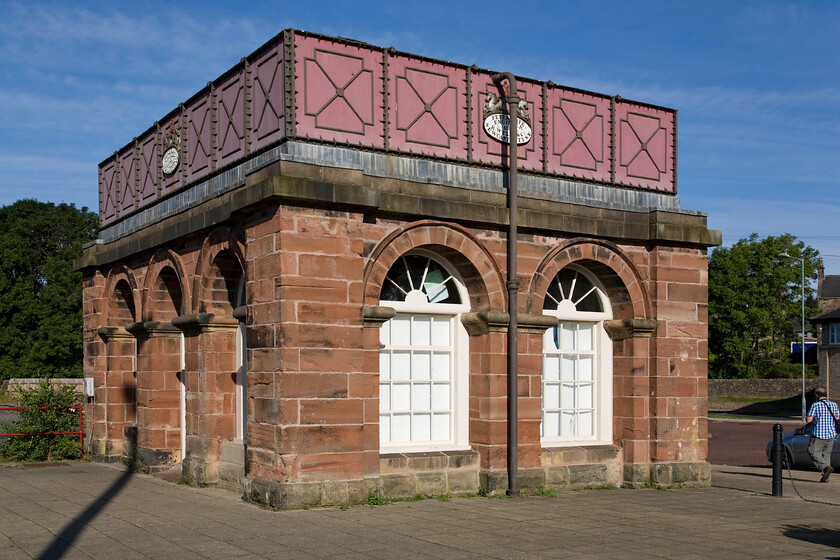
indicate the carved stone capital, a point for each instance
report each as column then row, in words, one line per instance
column 485, row 322
column 498, row 321
column 536, row 324
column 152, row 329
column 113, row 334
column 198, row 323
column 620, row 329
column 376, row 315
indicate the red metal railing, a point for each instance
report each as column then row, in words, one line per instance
column 74, row 409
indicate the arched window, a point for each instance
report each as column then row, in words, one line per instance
column 423, row 360
column 577, row 362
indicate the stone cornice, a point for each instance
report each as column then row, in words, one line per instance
column 611, row 212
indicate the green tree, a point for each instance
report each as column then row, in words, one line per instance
column 753, row 295
column 40, row 292
column 35, row 420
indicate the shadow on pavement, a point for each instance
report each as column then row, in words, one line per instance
column 71, row 531
column 825, row 537
column 752, row 474
column 757, row 483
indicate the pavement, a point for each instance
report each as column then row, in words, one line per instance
column 92, row 510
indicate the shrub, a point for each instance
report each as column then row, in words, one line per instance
column 35, row 421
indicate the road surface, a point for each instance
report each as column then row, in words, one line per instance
column 742, row 442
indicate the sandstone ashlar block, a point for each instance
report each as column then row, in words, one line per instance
column 493, row 481
column 681, row 474
column 432, row 483
column 427, row 461
column 291, row 496
column 462, row 481
column 431, row 473
column 398, row 485
column 583, row 466
column 334, row 493
column 531, row 480
column 587, row 475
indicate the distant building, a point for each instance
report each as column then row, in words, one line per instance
column 828, row 322
column 299, row 289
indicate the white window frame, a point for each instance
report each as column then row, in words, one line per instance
column 834, row 333
column 460, row 363
column 182, row 396
column 241, row 377
column 241, row 380
column 602, row 369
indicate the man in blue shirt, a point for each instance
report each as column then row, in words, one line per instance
column 822, row 442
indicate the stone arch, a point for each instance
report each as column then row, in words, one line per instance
column 614, row 269
column 219, row 270
column 165, row 293
column 476, row 266
column 631, row 357
column 122, row 302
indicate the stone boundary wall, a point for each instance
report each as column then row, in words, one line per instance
column 761, row 388
column 29, row 383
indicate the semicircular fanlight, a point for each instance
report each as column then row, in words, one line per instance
column 419, row 279
column 572, row 291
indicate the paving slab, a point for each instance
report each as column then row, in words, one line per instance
column 91, row 511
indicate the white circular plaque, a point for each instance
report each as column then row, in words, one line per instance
column 497, row 126
column 170, row 160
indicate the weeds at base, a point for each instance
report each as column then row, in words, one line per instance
column 601, row 487
column 650, row 485
column 542, row 491
column 136, row 467
column 377, row 499
column 187, row 480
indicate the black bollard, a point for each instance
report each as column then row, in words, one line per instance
column 776, row 456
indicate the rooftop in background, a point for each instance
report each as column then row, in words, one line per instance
column 830, row 287
column 335, row 92
column 829, row 317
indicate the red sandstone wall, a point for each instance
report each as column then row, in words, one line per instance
column 313, row 365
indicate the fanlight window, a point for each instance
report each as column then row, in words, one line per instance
column 571, row 291
column 577, row 373
column 423, row 384
column 418, row 279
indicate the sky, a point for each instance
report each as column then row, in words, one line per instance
column 756, row 84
